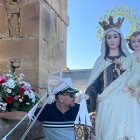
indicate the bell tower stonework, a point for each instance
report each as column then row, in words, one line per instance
column 33, row 36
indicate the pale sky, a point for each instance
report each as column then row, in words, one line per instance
column 83, row 47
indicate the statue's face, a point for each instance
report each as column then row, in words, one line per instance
column 113, row 40
column 135, row 42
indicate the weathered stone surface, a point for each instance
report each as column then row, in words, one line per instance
column 30, row 18
column 11, row 1
column 29, row 64
column 19, row 48
column 46, row 22
column 44, row 70
column 3, row 64
column 32, row 77
column 14, row 24
column 12, row 8
column 34, row 33
column 3, row 24
column 60, row 7
column 58, row 61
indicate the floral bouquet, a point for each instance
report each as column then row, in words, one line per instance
column 15, row 94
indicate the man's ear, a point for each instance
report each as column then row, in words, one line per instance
column 60, row 97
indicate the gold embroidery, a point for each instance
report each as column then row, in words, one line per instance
column 105, row 78
column 116, row 71
column 126, row 136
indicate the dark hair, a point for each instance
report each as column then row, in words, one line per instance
column 136, row 33
column 57, row 94
column 107, row 48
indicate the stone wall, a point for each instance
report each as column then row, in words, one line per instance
column 34, row 33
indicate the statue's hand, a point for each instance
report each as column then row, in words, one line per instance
column 80, row 97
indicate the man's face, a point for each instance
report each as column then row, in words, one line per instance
column 68, row 99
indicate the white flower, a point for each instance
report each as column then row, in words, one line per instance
column 20, row 100
column 3, row 106
column 30, row 94
column 3, row 84
column 10, row 83
column 20, row 76
column 27, row 103
column 26, row 92
column 9, row 90
column 8, row 75
column 33, row 100
column 26, row 85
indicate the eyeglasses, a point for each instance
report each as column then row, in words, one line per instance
column 70, row 95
